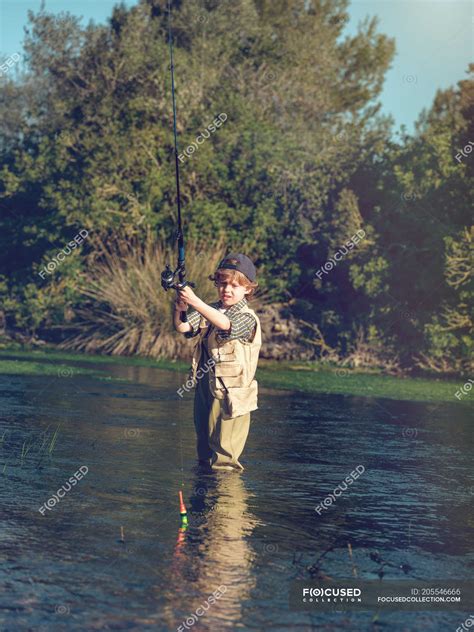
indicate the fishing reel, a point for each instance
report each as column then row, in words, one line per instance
column 168, row 279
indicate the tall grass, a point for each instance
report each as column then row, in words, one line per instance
column 9, row 445
column 126, row 311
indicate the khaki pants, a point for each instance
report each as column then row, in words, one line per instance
column 219, row 440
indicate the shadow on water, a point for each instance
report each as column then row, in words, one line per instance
column 408, row 515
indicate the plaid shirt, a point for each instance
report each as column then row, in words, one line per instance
column 242, row 324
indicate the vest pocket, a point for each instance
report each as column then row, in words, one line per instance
column 226, row 351
column 228, row 369
column 231, row 371
column 226, row 356
column 239, row 401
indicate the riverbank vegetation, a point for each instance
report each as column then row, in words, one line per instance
column 301, row 163
column 308, row 377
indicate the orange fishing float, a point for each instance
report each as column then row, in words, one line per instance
column 182, row 510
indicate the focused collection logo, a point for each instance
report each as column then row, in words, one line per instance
column 391, row 594
column 332, row 594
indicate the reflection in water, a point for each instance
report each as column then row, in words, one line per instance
column 253, row 533
column 214, row 553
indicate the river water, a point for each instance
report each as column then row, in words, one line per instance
column 110, row 554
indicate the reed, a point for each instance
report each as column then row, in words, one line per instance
column 125, row 310
column 32, row 441
column 53, row 440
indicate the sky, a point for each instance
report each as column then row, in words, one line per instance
column 434, row 43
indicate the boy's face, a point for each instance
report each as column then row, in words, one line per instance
column 231, row 292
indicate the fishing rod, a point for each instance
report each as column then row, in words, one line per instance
column 168, row 276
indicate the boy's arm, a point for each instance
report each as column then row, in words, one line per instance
column 214, row 316
column 194, row 319
column 242, row 327
column 183, row 328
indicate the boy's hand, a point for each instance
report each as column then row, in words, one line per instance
column 186, row 294
column 181, row 305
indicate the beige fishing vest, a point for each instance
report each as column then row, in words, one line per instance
column 235, row 364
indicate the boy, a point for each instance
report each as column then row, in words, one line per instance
column 225, row 360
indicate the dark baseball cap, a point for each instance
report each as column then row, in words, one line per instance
column 243, row 265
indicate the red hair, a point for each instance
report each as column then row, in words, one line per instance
column 227, row 274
